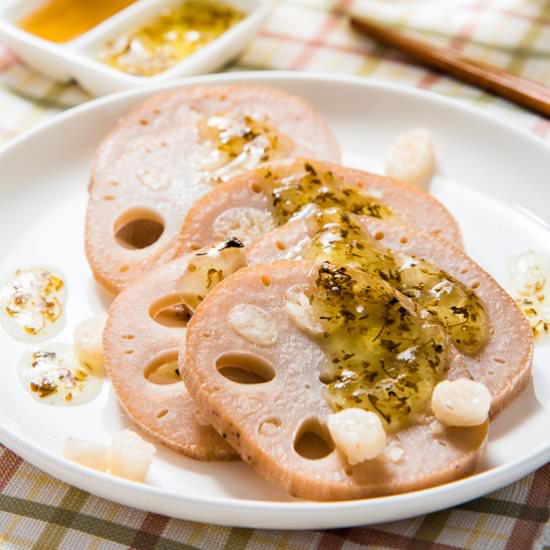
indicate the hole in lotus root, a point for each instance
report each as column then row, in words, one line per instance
column 162, row 413
column 475, row 285
column 138, row 228
column 280, row 245
column 499, row 360
column 256, row 187
column 124, row 268
column 266, row 281
column 245, row 368
column 313, row 440
column 404, row 240
column 270, row 426
column 163, row 370
column 379, row 235
column 169, row 311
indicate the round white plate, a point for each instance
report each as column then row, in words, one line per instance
column 493, row 178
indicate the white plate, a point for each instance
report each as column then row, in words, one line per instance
column 493, row 178
column 76, row 59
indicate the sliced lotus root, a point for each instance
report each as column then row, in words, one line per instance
column 255, row 202
column 256, row 376
column 503, row 364
column 145, row 326
column 171, row 150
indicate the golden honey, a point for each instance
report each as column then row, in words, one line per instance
column 323, row 190
column 240, row 142
column 53, row 375
column 530, row 273
column 381, row 355
column 387, row 318
column 32, row 303
column 64, row 20
column 208, row 268
column 340, row 240
column 175, row 34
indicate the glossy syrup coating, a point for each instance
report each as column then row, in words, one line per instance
column 32, row 303
column 321, row 188
column 447, row 300
column 53, row 375
column 341, row 240
column 240, row 142
column 63, row 20
column 175, row 34
column 384, row 353
column 381, row 356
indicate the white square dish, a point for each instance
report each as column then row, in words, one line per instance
column 77, row 59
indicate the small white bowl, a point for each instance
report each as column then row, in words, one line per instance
column 77, row 59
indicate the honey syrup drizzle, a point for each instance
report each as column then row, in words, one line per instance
column 241, row 142
column 175, row 34
column 63, row 20
column 387, row 318
column 32, row 300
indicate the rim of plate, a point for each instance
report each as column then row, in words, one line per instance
column 315, row 76
column 427, row 500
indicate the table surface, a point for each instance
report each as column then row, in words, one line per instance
column 38, row 511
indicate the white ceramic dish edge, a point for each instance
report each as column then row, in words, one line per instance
column 262, row 515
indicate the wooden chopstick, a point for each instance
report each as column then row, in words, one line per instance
column 525, row 92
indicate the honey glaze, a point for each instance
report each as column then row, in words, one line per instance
column 209, row 267
column 240, row 141
column 341, row 240
column 387, row 319
column 53, row 375
column 530, row 284
column 174, row 35
column 63, row 20
column 32, row 302
column 386, row 352
column 381, row 355
column 313, row 189
column 447, row 300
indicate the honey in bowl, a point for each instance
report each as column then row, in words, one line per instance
column 174, row 35
column 63, row 20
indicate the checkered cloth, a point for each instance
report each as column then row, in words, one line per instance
column 313, row 35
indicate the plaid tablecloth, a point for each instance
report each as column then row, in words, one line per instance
column 38, row 511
